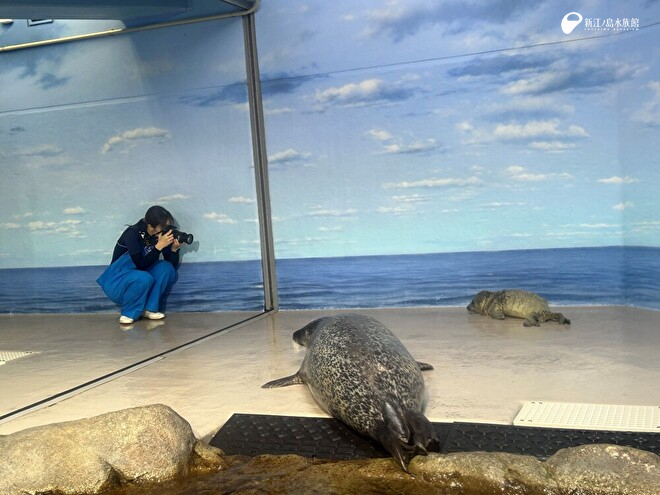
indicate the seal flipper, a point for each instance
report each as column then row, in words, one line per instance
column 532, row 321
column 405, row 434
column 284, row 382
column 423, row 434
column 393, row 434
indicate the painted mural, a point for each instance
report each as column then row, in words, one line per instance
column 395, row 130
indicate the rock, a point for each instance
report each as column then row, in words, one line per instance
column 605, row 469
column 484, row 472
column 144, row 444
column 588, row 470
column 152, row 450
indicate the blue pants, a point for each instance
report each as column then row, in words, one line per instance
column 136, row 290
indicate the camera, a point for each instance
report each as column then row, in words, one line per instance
column 179, row 235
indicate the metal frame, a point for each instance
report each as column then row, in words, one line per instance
column 260, row 164
column 116, row 31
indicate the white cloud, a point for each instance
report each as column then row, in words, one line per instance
column 431, row 183
column 563, row 76
column 623, row 206
column 350, row 92
column 537, row 129
column 411, row 148
column 241, row 200
column 319, row 211
column 380, row 134
column 171, row 197
column 551, row 145
column 363, row 93
column 219, row 217
column 649, row 114
column 66, row 227
column 516, row 172
column 646, row 226
column 43, row 155
column 41, row 225
column 396, row 146
column 599, row 225
column 41, row 151
column 288, row 156
column 465, row 126
column 502, row 204
column 395, row 210
column 618, row 180
column 412, row 198
column 74, row 210
column 133, row 135
column 278, row 111
column 543, row 135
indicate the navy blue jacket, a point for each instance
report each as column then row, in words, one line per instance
column 142, row 248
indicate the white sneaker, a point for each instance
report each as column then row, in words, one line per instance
column 125, row 320
column 153, row 315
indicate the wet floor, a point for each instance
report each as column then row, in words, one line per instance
column 484, row 369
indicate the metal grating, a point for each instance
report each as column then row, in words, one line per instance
column 10, row 355
column 589, row 416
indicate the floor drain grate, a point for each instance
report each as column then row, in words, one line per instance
column 589, row 416
column 11, row 355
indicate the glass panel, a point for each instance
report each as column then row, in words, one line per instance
column 91, row 135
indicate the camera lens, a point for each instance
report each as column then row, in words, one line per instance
column 183, row 237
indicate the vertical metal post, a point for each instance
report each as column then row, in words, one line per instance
column 260, row 164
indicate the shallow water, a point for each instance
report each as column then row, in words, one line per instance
column 290, row 474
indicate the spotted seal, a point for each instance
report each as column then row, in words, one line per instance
column 517, row 304
column 359, row 372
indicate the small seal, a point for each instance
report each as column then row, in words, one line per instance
column 516, row 304
column 359, row 372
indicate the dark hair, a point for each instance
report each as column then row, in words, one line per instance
column 157, row 215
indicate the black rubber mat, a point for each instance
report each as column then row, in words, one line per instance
column 324, row 438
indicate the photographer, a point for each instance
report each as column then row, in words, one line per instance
column 137, row 278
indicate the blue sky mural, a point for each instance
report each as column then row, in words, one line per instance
column 392, row 127
column 407, row 127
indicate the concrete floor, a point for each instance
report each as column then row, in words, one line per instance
column 484, row 369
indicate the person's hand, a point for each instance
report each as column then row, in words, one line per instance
column 164, row 240
column 175, row 245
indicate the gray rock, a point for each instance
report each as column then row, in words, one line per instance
column 144, row 444
column 605, row 469
column 598, row 469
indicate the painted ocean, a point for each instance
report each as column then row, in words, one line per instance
column 573, row 276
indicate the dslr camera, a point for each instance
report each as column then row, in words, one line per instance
column 179, row 235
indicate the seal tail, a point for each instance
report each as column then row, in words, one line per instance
column 405, row 434
column 284, row 382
